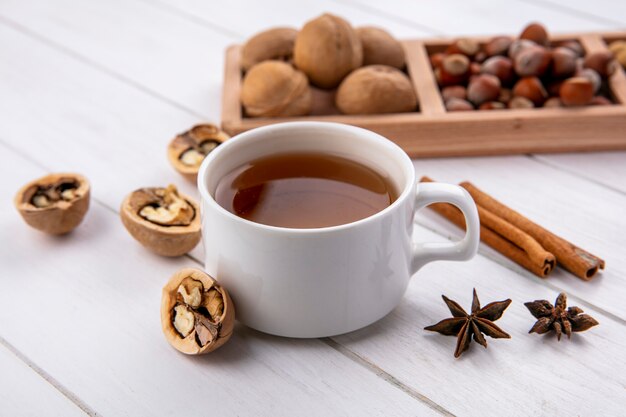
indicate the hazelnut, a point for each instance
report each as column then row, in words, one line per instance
column 457, row 91
column 574, row 46
column 492, row 105
column 327, row 49
column 482, row 88
column 553, row 102
column 600, row 101
column 498, row 45
column 532, row 61
column 474, row 68
column 577, row 91
column 553, row 87
column 54, row 204
column 480, row 57
column 274, row 89
column 436, row 59
column 458, row 104
column 518, row 46
column 501, row 67
column 454, row 70
column 592, row 76
column 532, row 89
column 563, row 62
column 162, row 220
column 376, row 89
column 464, row 46
column 272, row 44
column 602, row 62
column 380, row 48
column 188, row 149
column 536, row 33
column 520, row 103
column 505, row 95
column 197, row 314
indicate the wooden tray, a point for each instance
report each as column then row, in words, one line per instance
column 433, row 132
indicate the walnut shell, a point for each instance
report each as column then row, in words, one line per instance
column 376, row 89
column 54, row 204
column 327, row 49
column 380, row 48
column 275, row 89
column 162, row 220
column 212, row 310
column 274, row 43
column 188, row 149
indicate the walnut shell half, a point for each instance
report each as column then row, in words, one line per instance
column 162, row 220
column 273, row 89
column 327, row 49
column 188, row 149
column 54, row 204
column 380, row 48
column 276, row 44
column 197, row 314
column 376, row 89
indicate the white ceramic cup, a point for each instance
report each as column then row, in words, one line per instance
column 332, row 280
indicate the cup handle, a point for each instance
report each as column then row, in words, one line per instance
column 429, row 193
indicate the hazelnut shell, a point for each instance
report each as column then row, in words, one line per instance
column 458, row 104
column 380, row 48
column 61, row 216
column 537, row 33
column 602, row 62
column 163, row 240
column 532, row 61
column 169, row 296
column 483, row 88
column 532, row 89
column 577, row 91
column 498, row 45
column 376, row 89
column 276, row 44
column 327, row 49
column 192, row 139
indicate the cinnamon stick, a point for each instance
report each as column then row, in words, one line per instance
column 504, row 237
column 579, row 262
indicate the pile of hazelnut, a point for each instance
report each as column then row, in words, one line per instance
column 521, row 73
column 357, row 70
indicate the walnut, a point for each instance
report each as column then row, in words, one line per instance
column 54, row 204
column 376, row 89
column 188, row 149
column 274, row 88
column 380, row 48
column 197, row 314
column 162, row 220
column 276, row 44
column 327, row 49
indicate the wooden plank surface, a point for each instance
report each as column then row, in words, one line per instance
column 77, row 96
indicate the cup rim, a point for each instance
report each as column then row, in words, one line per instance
column 250, row 134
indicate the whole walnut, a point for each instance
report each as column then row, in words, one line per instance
column 327, row 49
column 274, row 43
column 376, row 89
column 275, row 88
column 380, row 48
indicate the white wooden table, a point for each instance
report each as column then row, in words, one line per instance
column 100, row 87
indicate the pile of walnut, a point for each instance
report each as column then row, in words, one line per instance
column 284, row 68
column 521, row 73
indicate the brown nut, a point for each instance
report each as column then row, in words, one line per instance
column 458, row 104
column 520, row 103
column 553, row 87
column 188, row 149
column 480, row 57
column 474, row 68
column 553, row 102
column 532, row 61
column 577, row 91
column 600, row 101
column 518, row 45
column 376, row 89
column 573, row 46
column 532, row 89
column 162, row 220
column 536, row 33
column 54, row 204
column 602, row 62
column 327, row 49
column 436, row 59
column 498, row 45
column 501, row 67
column 464, row 46
column 272, row 44
column 483, row 88
column 563, row 62
column 592, row 76
column 492, row 105
column 505, row 95
column 197, row 314
column 380, row 48
column 275, row 89
column 454, row 70
column 456, row 91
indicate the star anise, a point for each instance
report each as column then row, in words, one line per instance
column 558, row 317
column 464, row 325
